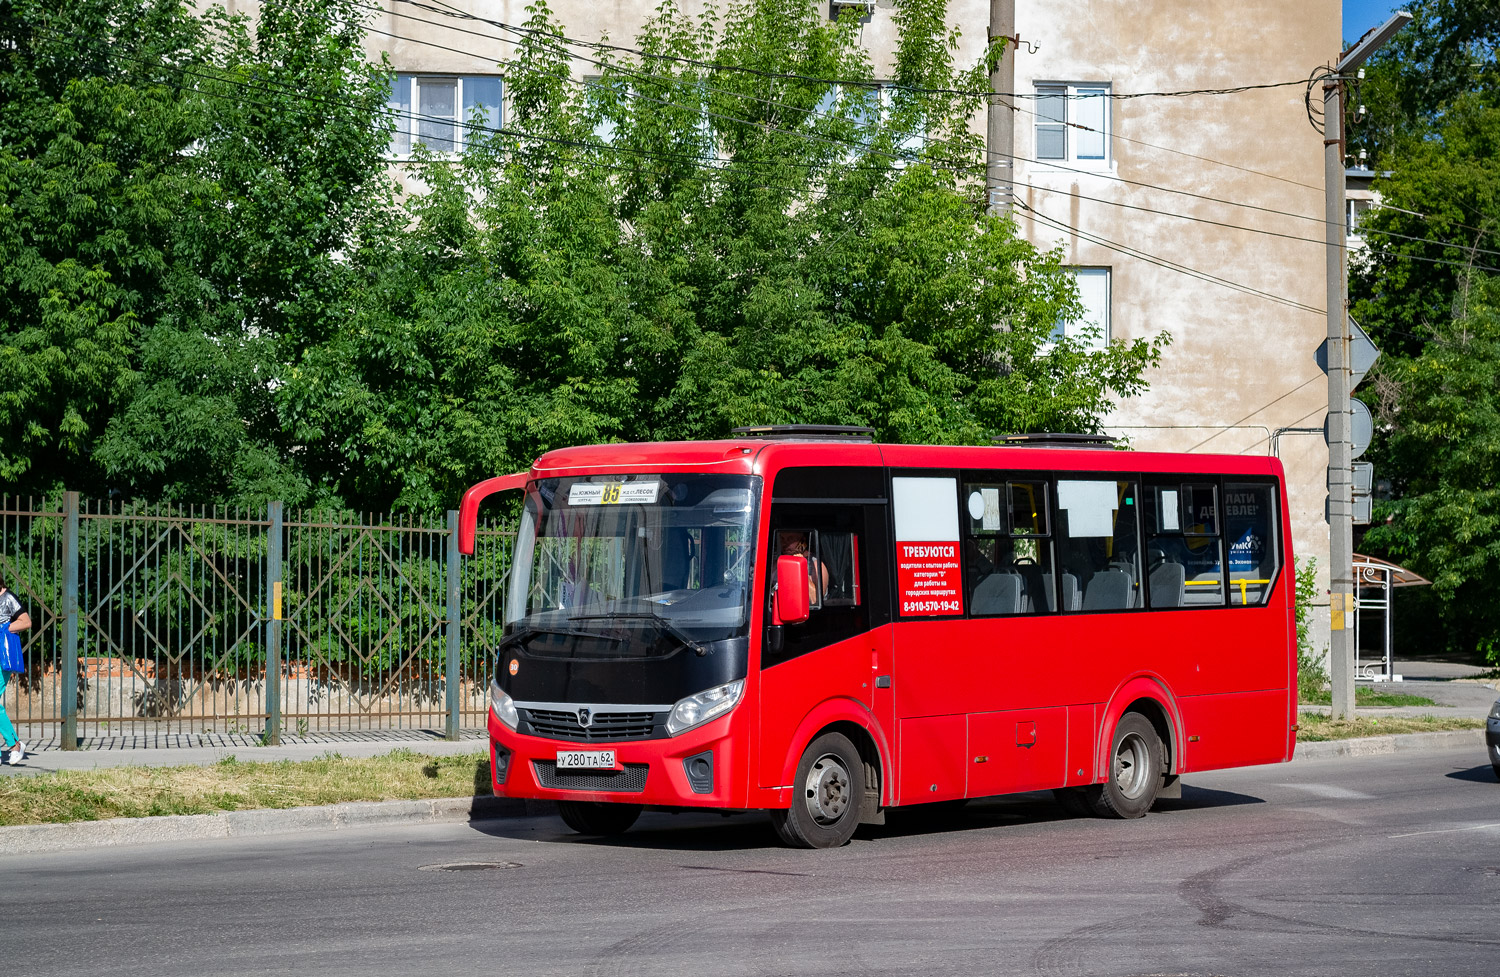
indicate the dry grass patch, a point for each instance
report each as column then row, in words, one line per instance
column 233, row 785
column 1317, row 729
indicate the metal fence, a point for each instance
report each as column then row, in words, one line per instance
column 148, row 620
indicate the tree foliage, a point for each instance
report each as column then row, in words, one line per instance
column 1427, row 293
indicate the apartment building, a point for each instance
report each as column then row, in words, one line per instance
column 1196, row 214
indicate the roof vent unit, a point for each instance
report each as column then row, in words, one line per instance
column 1055, row 440
column 808, row 432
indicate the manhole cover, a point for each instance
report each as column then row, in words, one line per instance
column 467, row 866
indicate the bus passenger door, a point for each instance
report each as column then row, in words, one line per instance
column 831, row 657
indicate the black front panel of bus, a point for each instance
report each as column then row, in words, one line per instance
column 654, row 681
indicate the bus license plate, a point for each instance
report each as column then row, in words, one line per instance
column 586, row 760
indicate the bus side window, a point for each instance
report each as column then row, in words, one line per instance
column 1007, row 548
column 1099, row 543
column 1184, row 565
column 1250, row 529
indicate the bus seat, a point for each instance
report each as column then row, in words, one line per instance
column 1167, row 584
column 999, row 593
column 1108, row 590
column 1070, row 596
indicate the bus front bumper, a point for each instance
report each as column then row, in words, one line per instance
column 690, row 770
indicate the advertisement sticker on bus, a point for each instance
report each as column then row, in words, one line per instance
column 927, row 563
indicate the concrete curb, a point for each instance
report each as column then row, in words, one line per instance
column 38, row 838
column 1397, row 743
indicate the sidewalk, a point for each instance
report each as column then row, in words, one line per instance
column 202, row 749
column 1457, row 689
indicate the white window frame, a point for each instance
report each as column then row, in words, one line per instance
column 408, row 119
column 1104, row 309
column 1074, row 105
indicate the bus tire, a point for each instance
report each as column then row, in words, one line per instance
column 1135, row 770
column 598, row 818
column 827, row 791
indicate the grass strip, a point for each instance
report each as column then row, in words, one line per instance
column 1365, row 696
column 1321, row 729
column 235, row 785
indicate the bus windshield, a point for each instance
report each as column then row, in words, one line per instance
column 632, row 566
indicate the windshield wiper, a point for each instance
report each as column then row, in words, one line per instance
column 666, row 626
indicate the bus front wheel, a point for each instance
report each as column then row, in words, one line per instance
column 1135, row 771
column 829, row 785
column 594, row 818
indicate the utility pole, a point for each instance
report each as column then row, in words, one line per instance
column 1340, row 450
column 1000, row 123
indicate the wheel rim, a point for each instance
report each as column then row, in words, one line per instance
column 1132, row 764
column 828, row 791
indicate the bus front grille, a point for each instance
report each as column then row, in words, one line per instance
column 604, row 726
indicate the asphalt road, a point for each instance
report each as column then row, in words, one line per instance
column 1384, row 865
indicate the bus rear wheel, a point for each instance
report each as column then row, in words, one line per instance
column 1135, row 771
column 596, row 818
column 828, row 788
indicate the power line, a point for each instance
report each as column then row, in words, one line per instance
column 1256, row 230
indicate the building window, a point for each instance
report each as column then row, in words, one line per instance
column 440, row 111
column 1356, row 208
column 1072, row 123
column 1092, row 328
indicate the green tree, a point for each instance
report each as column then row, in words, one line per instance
column 91, row 128
column 1444, row 441
column 700, row 240
column 184, row 203
column 1426, row 295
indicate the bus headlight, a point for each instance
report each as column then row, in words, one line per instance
column 504, row 706
column 698, row 709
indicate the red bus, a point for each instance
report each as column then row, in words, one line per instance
column 975, row 621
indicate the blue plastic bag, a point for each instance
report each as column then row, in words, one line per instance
column 11, row 659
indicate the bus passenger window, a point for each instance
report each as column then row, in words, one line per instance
column 1098, row 544
column 1007, row 550
column 1250, row 529
column 1184, row 566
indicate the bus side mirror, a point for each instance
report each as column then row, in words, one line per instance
column 792, row 605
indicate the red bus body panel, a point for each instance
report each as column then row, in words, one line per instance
column 971, row 706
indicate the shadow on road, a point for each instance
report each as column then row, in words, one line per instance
column 701, row 831
column 1197, row 798
column 1482, row 774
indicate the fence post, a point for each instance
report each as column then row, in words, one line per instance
column 455, row 625
column 274, row 541
column 69, row 650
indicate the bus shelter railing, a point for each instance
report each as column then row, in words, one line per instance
column 149, row 620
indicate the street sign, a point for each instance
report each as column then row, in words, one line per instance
column 1361, row 428
column 1364, row 477
column 1362, row 354
column 1362, row 508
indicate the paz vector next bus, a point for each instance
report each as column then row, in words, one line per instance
column 801, row 620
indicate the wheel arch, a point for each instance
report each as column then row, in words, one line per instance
column 1149, row 696
column 851, row 718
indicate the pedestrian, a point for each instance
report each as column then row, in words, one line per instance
column 13, row 620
